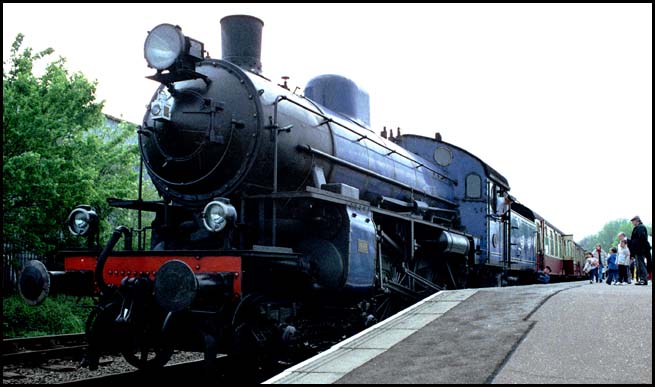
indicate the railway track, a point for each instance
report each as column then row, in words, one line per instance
column 41, row 348
column 183, row 368
column 172, row 373
column 55, row 360
column 195, row 372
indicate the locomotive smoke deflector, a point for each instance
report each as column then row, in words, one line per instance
column 241, row 41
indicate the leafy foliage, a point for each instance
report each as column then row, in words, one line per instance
column 607, row 236
column 56, row 152
column 57, row 315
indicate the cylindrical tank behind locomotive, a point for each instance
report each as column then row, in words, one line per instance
column 215, row 134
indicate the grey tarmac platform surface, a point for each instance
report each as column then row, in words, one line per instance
column 523, row 334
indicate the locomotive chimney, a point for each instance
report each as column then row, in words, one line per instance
column 241, row 37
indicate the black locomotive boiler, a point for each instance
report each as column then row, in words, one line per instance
column 285, row 222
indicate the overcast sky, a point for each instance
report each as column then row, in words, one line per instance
column 556, row 97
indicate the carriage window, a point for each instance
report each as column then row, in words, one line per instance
column 473, row 186
column 547, row 243
column 550, row 242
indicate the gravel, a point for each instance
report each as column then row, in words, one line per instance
column 62, row 371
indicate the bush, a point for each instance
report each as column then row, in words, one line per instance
column 56, row 315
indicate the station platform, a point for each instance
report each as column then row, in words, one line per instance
column 573, row 332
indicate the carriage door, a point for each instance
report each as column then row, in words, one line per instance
column 496, row 238
column 540, row 246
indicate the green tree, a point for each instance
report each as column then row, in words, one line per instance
column 57, row 153
column 607, row 236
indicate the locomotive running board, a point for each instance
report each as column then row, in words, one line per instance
column 315, row 193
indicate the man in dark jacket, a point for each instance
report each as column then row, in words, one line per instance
column 639, row 249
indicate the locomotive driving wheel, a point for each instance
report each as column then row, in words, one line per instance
column 140, row 326
column 255, row 337
column 145, row 351
column 144, row 343
column 99, row 325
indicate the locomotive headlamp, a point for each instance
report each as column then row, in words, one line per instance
column 82, row 221
column 218, row 214
column 163, row 46
column 166, row 46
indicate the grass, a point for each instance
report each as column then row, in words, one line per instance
column 56, row 315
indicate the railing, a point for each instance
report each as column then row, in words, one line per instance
column 14, row 259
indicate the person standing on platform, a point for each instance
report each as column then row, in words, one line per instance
column 591, row 264
column 622, row 236
column 639, row 247
column 630, row 262
column 612, row 268
column 601, row 256
column 623, row 260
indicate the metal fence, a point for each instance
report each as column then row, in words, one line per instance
column 14, row 259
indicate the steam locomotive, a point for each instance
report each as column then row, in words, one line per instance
column 285, row 221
